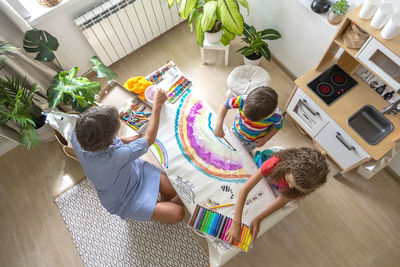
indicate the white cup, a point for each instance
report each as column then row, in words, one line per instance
column 369, row 8
column 382, row 15
column 392, row 27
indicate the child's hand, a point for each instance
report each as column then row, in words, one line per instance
column 219, row 132
column 254, row 228
column 160, row 97
column 233, row 233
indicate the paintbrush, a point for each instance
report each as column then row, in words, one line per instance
column 234, row 149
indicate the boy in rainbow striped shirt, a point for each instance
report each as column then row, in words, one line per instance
column 258, row 120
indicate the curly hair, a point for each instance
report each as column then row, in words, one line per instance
column 96, row 128
column 308, row 167
column 260, row 103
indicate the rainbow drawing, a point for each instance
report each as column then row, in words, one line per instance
column 200, row 147
column 162, row 153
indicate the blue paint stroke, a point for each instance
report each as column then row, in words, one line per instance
column 209, row 126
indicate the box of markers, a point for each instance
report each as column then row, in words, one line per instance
column 170, row 79
column 217, row 226
column 136, row 114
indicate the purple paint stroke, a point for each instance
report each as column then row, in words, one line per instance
column 201, row 147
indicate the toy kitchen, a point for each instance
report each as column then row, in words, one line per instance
column 348, row 104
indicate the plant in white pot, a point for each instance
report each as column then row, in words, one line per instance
column 338, row 10
column 256, row 47
column 216, row 17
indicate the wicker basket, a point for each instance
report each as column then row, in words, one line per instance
column 48, row 3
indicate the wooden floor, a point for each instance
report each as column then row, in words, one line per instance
column 348, row 222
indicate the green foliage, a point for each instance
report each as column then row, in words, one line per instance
column 78, row 92
column 212, row 16
column 340, row 7
column 101, row 70
column 41, row 42
column 6, row 48
column 255, row 41
column 66, row 88
column 16, row 105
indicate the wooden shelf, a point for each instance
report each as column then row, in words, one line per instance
column 393, row 45
column 351, row 51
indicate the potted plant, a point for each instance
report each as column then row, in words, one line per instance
column 66, row 88
column 338, row 10
column 220, row 17
column 17, row 108
column 256, row 46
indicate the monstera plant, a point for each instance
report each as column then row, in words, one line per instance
column 212, row 16
column 77, row 92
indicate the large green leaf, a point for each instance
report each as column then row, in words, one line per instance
column 186, row 7
column 209, row 15
column 102, row 71
column 78, row 92
column 269, row 34
column 245, row 4
column 227, row 37
column 249, row 31
column 229, row 14
column 199, row 31
column 6, row 48
column 263, row 50
column 42, row 42
column 170, row 3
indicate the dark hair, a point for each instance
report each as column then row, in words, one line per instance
column 308, row 167
column 96, row 128
column 260, row 103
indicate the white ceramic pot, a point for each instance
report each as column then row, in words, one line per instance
column 212, row 37
column 334, row 18
column 251, row 62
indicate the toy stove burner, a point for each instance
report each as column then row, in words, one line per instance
column 325, row 89
column 332, row 84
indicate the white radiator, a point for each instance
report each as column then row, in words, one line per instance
column 117, row 27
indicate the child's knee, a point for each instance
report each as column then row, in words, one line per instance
column 180, row 214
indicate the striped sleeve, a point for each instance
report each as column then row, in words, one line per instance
column 233, row 102
column 277, row 119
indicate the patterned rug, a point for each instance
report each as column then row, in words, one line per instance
column 103, row 239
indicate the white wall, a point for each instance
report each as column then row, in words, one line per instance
column 305, row 34
column 74, row 49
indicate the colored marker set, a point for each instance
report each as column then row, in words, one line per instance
column 178, row 88
column 217, row 225
column 134, row 116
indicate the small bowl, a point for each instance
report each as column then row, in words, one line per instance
column 149, row 93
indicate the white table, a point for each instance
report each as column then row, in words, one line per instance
column 219, row 46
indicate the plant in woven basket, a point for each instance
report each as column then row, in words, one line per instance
column 48, row 3
column 77, row 92
column 16, row 105
column 212, row 16
column 256, row 46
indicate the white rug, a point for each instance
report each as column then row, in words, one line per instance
column 103, row 239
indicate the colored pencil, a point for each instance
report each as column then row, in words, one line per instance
column 241, row 236
column 243, row 243
column 196, row 210
column 221, row 230
column 223, row 205
column 199, row 218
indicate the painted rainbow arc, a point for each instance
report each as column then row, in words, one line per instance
column 162, row 153
column 200, row 147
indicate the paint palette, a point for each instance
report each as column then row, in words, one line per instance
column 217, row 225
column 170, row 79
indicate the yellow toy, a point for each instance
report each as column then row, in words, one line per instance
column 138, row 85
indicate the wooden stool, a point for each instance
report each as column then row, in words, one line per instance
column 219, row 46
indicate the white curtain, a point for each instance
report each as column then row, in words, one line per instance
column 12, row 30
